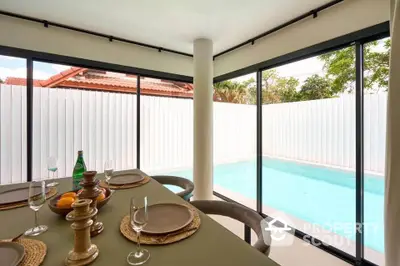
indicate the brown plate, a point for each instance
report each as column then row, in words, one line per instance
column 11, row 253
column 18, row 194
column 125, row 178
column 165, row 218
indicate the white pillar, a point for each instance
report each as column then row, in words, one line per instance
column 203, row 119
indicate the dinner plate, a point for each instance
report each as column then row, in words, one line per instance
column 18, row 194
column 165, row 218
column 11, row 253
column 125, row 178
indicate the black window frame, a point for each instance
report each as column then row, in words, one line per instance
column 34, row 56
column 357, row 40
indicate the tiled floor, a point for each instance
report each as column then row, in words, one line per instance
column 297, row 254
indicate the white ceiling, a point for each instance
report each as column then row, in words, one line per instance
column 172, row 24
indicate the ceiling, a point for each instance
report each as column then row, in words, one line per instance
column 172, row 24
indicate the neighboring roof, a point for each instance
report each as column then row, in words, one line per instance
column 21, row 82
column 58, row 78
column 81, row 78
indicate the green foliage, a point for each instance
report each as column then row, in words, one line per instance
column 316, row 87
column 278, row 89
column 377, row 66
column 231, row 91
column 340, row 67
column 340, row 74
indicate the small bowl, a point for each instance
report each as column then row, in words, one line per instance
column 64, row 211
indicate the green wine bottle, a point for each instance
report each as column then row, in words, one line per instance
column 79, row 169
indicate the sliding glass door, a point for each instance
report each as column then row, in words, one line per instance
column 308, row 138
column 235, row 125
column 13, row 120
column 376, row 77
column 76, row 108
column 320, row 137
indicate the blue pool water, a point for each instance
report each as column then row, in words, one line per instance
column 318, row 195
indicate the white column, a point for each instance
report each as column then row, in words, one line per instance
column 203, row 119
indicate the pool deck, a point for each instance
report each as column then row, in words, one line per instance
column 347, row 245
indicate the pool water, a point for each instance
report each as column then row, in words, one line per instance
column 315, row 194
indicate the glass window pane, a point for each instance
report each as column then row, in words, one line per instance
column 166, row 131
column 376, row 76
column 85, row 109
column 309, row 146
column 13, row 134
column 235, row 139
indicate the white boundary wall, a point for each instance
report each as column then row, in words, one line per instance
column 103, row 124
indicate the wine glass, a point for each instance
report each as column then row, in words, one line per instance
column 108, row 171
column 37, row 197
column 138, row 219
column 52, row 167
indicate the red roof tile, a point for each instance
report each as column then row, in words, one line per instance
column 127, row 85
column 148, row 86
column 21, row 82
column 57, row 78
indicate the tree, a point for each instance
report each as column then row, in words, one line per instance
column 288, row 89
column 1, row 81
column 377, row 66
column 251, row 86
column 278, row 89
column 316, row 87
column 269, row 90
column 340, row 67
column 231, row 91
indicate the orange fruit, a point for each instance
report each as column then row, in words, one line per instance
column 69, row 195
column 101, row 196
column 65, row 202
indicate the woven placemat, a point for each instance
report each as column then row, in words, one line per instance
column 52, row 192
column 163, row 239
column 145, row 180
column 35, row 251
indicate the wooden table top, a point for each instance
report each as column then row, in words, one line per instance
column 212, row 244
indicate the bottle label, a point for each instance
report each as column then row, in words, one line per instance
column 75, row 184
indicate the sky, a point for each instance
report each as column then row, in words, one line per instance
column 16, row 67
column 300, row 70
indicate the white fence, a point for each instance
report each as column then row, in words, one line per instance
column 104, row 125
column 323, row 131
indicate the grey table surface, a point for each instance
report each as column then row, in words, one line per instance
column 212, row 244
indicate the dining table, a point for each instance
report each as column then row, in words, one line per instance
column 212, row 244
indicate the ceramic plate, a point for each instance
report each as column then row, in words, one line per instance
column 11, row 254
column 126, row 178
column 165, row 218
column 17, row 194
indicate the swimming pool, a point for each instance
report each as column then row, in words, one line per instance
column 314, row 194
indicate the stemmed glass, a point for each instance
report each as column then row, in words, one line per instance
column 138, row 218
column 37, row 197
column 108, row 171
column 52, row 167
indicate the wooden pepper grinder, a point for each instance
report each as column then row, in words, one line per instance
column 90, row 191
column 84, row 252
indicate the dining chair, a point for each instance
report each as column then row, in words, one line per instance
column 181, row 182
column 239, row 213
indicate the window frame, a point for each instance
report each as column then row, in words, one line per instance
column 356, row 39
